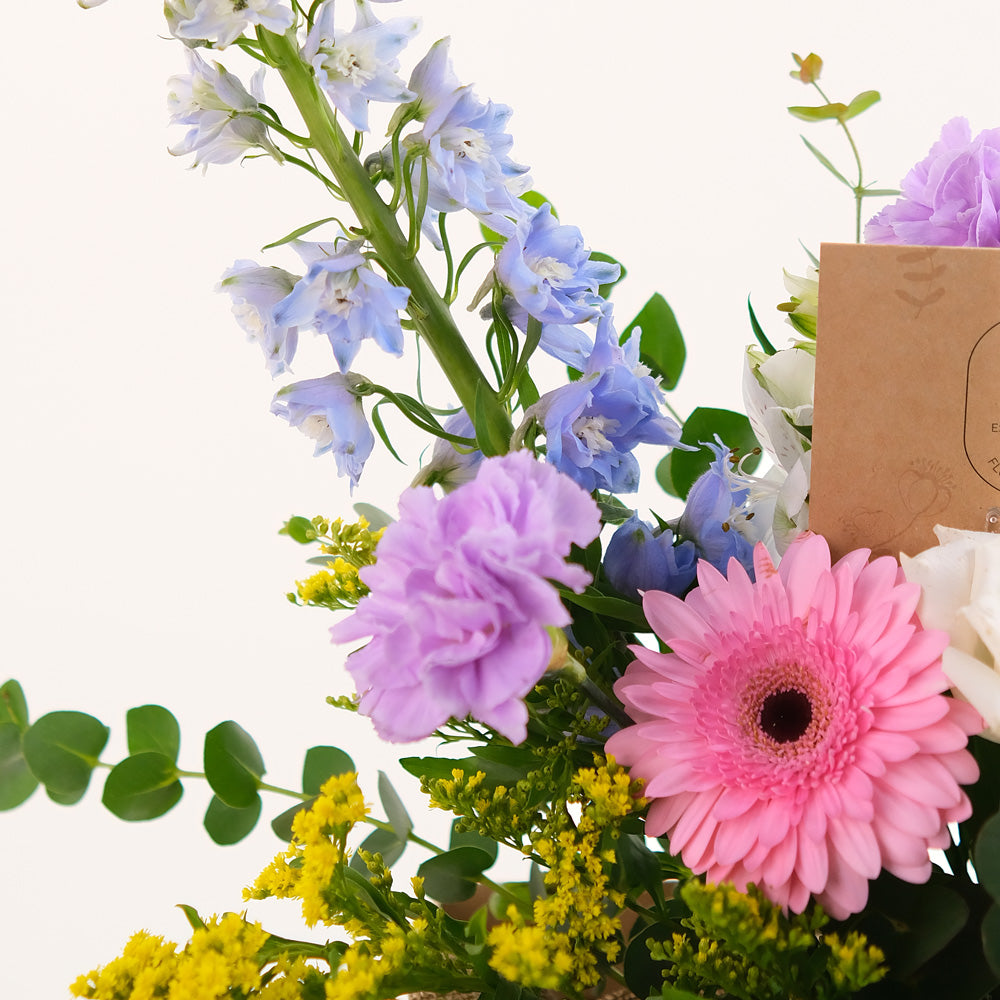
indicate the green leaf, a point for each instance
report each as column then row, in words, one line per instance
column 664, row 477
column 527, row 391
column 433, row 768
column 491, row 440
column 301, row 231
column 375, row 516
column 383, row 842
column 639, row 866
column 226, row 825
column 758, row 331
column 924, row 918
column 322, row 763
column 62, row 749
column 469, row 838
column 153, row 728
column 986, row 856
column 991, row 937
column 16, row 780
column 233, row 764
column 453, row 876
column 703, row 424
column 395, row 811
column 862, row 102
column 282, row 825
column 300, row 529
column 13, row 706
column 608, row 607
column 823, row 113
column 826, row 163
column 142, row 786
column 879, row 192
column 613, row 511
column 643, row 974
column 193, row 919
column 661, row 345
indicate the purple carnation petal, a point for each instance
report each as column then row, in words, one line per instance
column 461, row 599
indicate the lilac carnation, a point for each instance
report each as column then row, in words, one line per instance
column 460, row 599
column 950, row 198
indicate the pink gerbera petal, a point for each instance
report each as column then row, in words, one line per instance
column 798, row 735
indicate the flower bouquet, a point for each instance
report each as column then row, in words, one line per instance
column 684, row 753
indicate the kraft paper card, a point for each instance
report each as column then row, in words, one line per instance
column 906, row 425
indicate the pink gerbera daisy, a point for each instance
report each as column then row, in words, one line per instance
column 797, row 736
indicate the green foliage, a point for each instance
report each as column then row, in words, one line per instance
column 702, row 425
column 321, row 763
column 16, row 780
column 744, row 946
column 399, row 818
column 62, row 749
column 143, row 786
column 282, row 824
column 153, row 728
column 836, row 110
column 233, row 764
column 228, row 825
column 454, row 875
column 661, row 344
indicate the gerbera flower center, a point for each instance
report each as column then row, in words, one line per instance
column 785, row 715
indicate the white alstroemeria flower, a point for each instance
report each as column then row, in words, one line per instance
column 778, row 396
column 802, row 308
column 87, row 4
column 219, row 110
column 961, row 595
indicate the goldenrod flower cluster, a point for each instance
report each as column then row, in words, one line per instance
column 221, row 957
column 744, row 945
column 309, row 869
column 351, row 547
column 576, row 926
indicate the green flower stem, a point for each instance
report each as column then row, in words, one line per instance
column 428, row 310
column 859, row 188
column 412, row 838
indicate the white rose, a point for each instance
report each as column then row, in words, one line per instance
column 961, row 595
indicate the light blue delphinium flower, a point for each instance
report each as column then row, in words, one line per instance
column 593, row 424
column 221, row 22
column 255, row 291
column 714, row 511
column 451, row 466
column 547, row 269
column 465, row 146
column 342, row 298
column 355, row 67
column 640, row 557
column 219, row 110
column 327, row 411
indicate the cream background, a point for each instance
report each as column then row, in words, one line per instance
column 143, row 477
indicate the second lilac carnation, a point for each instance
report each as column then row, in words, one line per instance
column 461, row 599
column 950, row 198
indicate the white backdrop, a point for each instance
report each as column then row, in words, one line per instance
column 144, row 478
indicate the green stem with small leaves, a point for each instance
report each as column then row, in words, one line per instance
column 430, row 313
column 859, row 187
